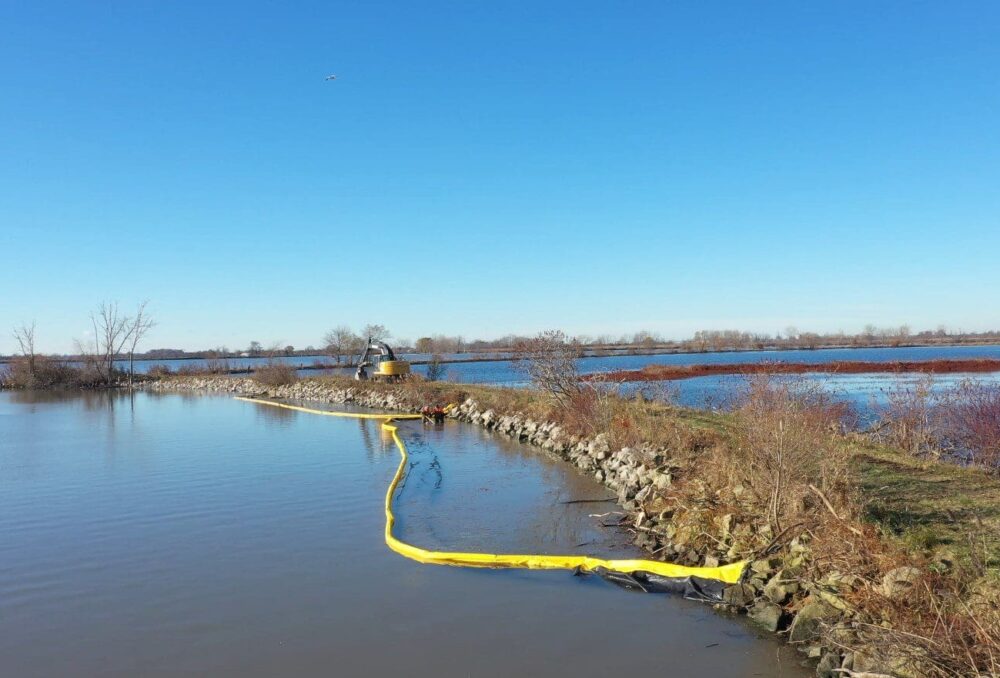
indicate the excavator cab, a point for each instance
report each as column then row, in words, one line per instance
column 378, row 362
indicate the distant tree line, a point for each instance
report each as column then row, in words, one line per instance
column 870, row 336
column 116, row 336
column 719, row 340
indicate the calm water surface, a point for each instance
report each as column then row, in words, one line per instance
column 863, row 390
column 502, row 371
column 164, row 535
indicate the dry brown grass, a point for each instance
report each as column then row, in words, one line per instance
column 941, row 628
column 276, row 374
column 909, row 421
column 962, row 423
column 972, row 422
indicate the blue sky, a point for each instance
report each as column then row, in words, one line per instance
column 485, row 168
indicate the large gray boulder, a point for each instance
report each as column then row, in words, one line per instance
column 767, row 615
column 805, row 627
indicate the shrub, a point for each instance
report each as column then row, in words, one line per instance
column 47, row 373
column 971, row 422
column 276, row 374
column 910, row 419
column 436, row 369
column 783, row 431
column 549, row 360
column 216, row 364
column 963, row 422
column 159, row 371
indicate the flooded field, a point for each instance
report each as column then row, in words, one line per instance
column 498, row 369
column 160, row 535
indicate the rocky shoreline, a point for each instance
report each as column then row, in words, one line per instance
column 777, row 594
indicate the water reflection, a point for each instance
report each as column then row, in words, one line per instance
column 367, row 440
column 222, row 541
column 276, row 416
column 89, row 400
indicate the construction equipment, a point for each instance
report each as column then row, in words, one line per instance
column 379, row 356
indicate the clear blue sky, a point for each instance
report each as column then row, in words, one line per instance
column 484, row 168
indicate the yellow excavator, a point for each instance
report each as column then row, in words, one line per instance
column 378, row 357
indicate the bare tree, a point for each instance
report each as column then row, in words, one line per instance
column 137, row 328
column 902, row 333
column 376, row 333
column 25, row 337
column 255, row 348
column 550, row 361
column 436, row 368
column 111, row 332
column 216, row 361
column 340, row 340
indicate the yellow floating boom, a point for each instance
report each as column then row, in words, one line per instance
column 728, row 574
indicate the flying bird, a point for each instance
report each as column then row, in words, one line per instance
column 331, row 77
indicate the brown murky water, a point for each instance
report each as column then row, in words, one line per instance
column 170, row 535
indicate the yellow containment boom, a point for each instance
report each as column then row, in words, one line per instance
column 726, row 574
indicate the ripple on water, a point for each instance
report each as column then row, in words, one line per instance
column 198, row 536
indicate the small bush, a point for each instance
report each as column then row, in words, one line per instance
column 276, row 374
column 971, row 421
column 436, row 369
column 47, row 373
column 159, row 371
column 215, row 364
column 963, row 423
column 549, row 360
column 910, row 419
column 790, row 458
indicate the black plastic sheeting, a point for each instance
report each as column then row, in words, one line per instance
column 692, row 588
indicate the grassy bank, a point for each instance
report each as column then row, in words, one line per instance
column 871, row 560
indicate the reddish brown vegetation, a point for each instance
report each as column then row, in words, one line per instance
column 973, row 420
column 962, row 423
column 673, row 372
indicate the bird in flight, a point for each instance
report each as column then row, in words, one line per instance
column 331, row 77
